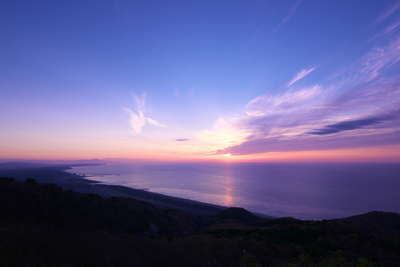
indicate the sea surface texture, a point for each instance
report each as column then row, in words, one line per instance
column 308, row 191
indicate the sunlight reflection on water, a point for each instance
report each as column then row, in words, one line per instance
column 302, row 190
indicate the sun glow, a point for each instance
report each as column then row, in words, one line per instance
column 223, row 134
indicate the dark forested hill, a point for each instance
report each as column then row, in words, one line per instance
column 44, row 225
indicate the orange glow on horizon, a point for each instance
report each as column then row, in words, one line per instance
column 382, row 154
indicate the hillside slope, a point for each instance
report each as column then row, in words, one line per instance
column 44, row 225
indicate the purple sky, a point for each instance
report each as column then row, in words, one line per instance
column 200, row 79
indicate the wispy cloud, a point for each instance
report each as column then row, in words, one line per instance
column 182, row 139
column 359, row 107
column 380, row 59
column 388, row 30
column 392, row 27
column 306, row 143
column 388, row 12
column 287, row 102
column 138, row 118
column 300, row 75
column 290, row 14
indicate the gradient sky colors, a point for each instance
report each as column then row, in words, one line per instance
column 259, row 80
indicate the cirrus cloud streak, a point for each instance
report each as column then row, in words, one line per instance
column 138, row 117
column 358, row 108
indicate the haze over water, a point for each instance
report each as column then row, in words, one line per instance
column 311, row 191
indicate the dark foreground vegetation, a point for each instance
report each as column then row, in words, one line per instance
column 44, row 225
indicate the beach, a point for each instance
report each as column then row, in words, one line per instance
column 59, row 175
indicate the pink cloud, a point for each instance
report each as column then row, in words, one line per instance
column 359, row 107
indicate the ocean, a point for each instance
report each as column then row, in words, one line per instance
column 306, row 191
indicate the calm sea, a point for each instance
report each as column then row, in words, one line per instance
column 311, row 191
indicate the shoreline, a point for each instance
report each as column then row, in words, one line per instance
column 59, row 175
column 158, row 199
column 57, row 227
column 62, row 175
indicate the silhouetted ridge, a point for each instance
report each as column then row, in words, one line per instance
column 48, row 204
column 44, row 225
column 238, row 214
column 374, row 221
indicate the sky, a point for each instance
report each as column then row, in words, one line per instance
column 295, row 80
